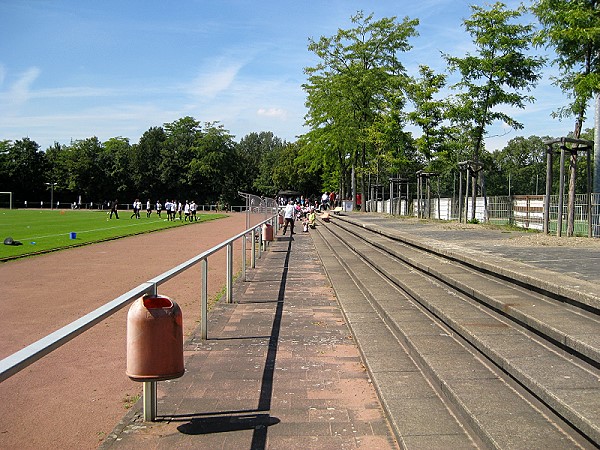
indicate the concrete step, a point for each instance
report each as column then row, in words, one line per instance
column 437, row 351
column 402, row 387
column 568, row 326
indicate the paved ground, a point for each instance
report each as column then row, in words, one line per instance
column 279, row 370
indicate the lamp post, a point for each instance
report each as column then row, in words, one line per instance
column 51, row 194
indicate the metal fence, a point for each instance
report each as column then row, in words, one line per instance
column 524, row 211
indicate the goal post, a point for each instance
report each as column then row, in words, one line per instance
column 3, row 201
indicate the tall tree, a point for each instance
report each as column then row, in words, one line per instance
column 255, row 158
column 116, row 166
column 146, row 158
column 572, row 29
column 213, row 167
column 499, row 73
column 177, row 152
column 429, row 112
column 359, row 76
column 25, row 169
column 85, row 170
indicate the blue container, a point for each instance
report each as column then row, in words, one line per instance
column 73, row 235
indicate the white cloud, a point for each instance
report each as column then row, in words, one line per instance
column 212, row 82
column 272, row 112
column 19, row 92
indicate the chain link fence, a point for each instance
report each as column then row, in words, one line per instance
column 258, row 206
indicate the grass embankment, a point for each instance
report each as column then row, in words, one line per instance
column 48, row 230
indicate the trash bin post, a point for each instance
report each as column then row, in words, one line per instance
column 150, row 401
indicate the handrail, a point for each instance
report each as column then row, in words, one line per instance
column 19, row 360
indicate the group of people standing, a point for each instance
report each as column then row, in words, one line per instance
column 173, row 208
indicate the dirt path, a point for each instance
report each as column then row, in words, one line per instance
column 73, row 397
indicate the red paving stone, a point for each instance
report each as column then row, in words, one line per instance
column 280, row 370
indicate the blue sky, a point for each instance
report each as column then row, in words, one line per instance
column 73, row 69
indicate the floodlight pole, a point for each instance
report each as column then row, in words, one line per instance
column 51, row 194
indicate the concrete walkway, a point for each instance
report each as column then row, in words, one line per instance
column 279, row 370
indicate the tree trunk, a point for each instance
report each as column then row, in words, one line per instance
column 473, row 194
column 362, row 177
column 353, row 185
column 573, row 178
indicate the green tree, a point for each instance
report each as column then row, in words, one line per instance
column 256, row 154
column 572, row 29
column 177, row 152
column 499, row 73
column 85, row 174
column 359, row 77
column 57, row 170
column 329, row 149
column 115, row 162
column 213, row 168
column 25, row 169
column 520, row 165
column 145, row 160
column 429, row 112
column 287, row 173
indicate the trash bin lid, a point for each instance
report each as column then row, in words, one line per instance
column 154, row 302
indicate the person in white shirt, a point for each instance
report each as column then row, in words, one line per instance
column 193, row 208
column 186, row 211
column 288, row 215
column 168, row 209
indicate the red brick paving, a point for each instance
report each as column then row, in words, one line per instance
column 279, row 370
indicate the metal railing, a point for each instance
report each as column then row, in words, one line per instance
column 18, row 361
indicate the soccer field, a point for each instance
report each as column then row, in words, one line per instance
column 44, row 230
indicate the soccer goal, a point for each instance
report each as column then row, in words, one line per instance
column 6, row 202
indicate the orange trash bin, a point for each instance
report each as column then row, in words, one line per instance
column 154, row 339
column 267, row 232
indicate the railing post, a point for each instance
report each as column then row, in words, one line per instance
column 229, row 272
column 260, row 242
column 253, row 253
column 244, row 257
column 204, row 300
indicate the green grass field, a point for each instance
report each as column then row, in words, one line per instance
column 44, row 230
